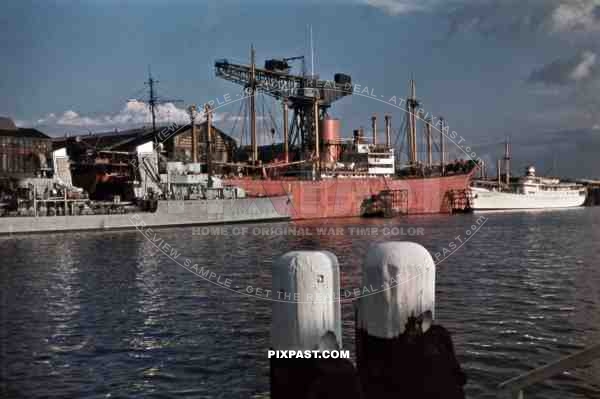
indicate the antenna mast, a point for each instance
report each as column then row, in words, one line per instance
column 312, row 54
column 153, row 101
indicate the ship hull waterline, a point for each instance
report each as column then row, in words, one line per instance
column 343, row 197
column 484, row 201
column 167, row 214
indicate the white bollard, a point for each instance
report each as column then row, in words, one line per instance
column 404, row 275
column 307, row 317
column 305, row 289
column 401, row 277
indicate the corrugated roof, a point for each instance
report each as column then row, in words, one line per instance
column 126, row 140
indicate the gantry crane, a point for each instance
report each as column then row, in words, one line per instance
column 307, row 96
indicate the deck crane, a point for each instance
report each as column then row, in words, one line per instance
column 306, row 96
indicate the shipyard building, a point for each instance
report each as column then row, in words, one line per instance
column 24, row 152
column 105, row 164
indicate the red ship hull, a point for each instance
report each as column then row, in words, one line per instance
column 331, row 198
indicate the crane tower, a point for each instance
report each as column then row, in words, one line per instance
column 308, row 97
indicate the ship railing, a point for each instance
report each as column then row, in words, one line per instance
column 513, row 388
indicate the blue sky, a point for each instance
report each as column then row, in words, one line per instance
column 524, row 69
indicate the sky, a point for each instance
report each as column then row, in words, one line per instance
column 524, row 69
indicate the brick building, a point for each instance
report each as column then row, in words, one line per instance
column 24, row 152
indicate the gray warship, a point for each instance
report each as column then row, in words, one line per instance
column 39, row 190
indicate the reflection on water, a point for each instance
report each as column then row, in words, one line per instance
column 94, row 314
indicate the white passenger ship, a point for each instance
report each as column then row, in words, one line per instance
column 528, row 192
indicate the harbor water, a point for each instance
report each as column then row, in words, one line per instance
column 108, row 314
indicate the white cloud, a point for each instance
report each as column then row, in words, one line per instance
column 516, row 17
column 241, row 118
column 133, row 114
column 585, row 68
column 581, row 67
column 511, row 17
column 395, row 7
column 576, row 15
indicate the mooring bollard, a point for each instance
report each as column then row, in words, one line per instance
column 307, row 317
column 399, row 352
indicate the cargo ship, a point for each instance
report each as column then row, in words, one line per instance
column 326, row 175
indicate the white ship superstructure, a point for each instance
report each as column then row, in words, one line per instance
column 528, row 192
column 380, row 162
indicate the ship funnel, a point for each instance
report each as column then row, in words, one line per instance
column 330, row 132
column 388, row 128
column 374, row 128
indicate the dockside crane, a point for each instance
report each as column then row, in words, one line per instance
column 308, row 97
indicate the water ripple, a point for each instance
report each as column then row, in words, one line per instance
column 106, row 315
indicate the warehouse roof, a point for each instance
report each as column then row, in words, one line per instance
column 127, row 140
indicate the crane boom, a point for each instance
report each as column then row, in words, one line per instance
column 282, row 85
column 307, row 96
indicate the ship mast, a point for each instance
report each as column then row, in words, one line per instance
column 316, row 130
column 192, row 112
column 286, row 148
column 208, row 112
column 507, row 161
column 499, row 173
column 412, row 105
column 442, row 147
column 252, row 85
column 153, row 102
column 429, row 143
